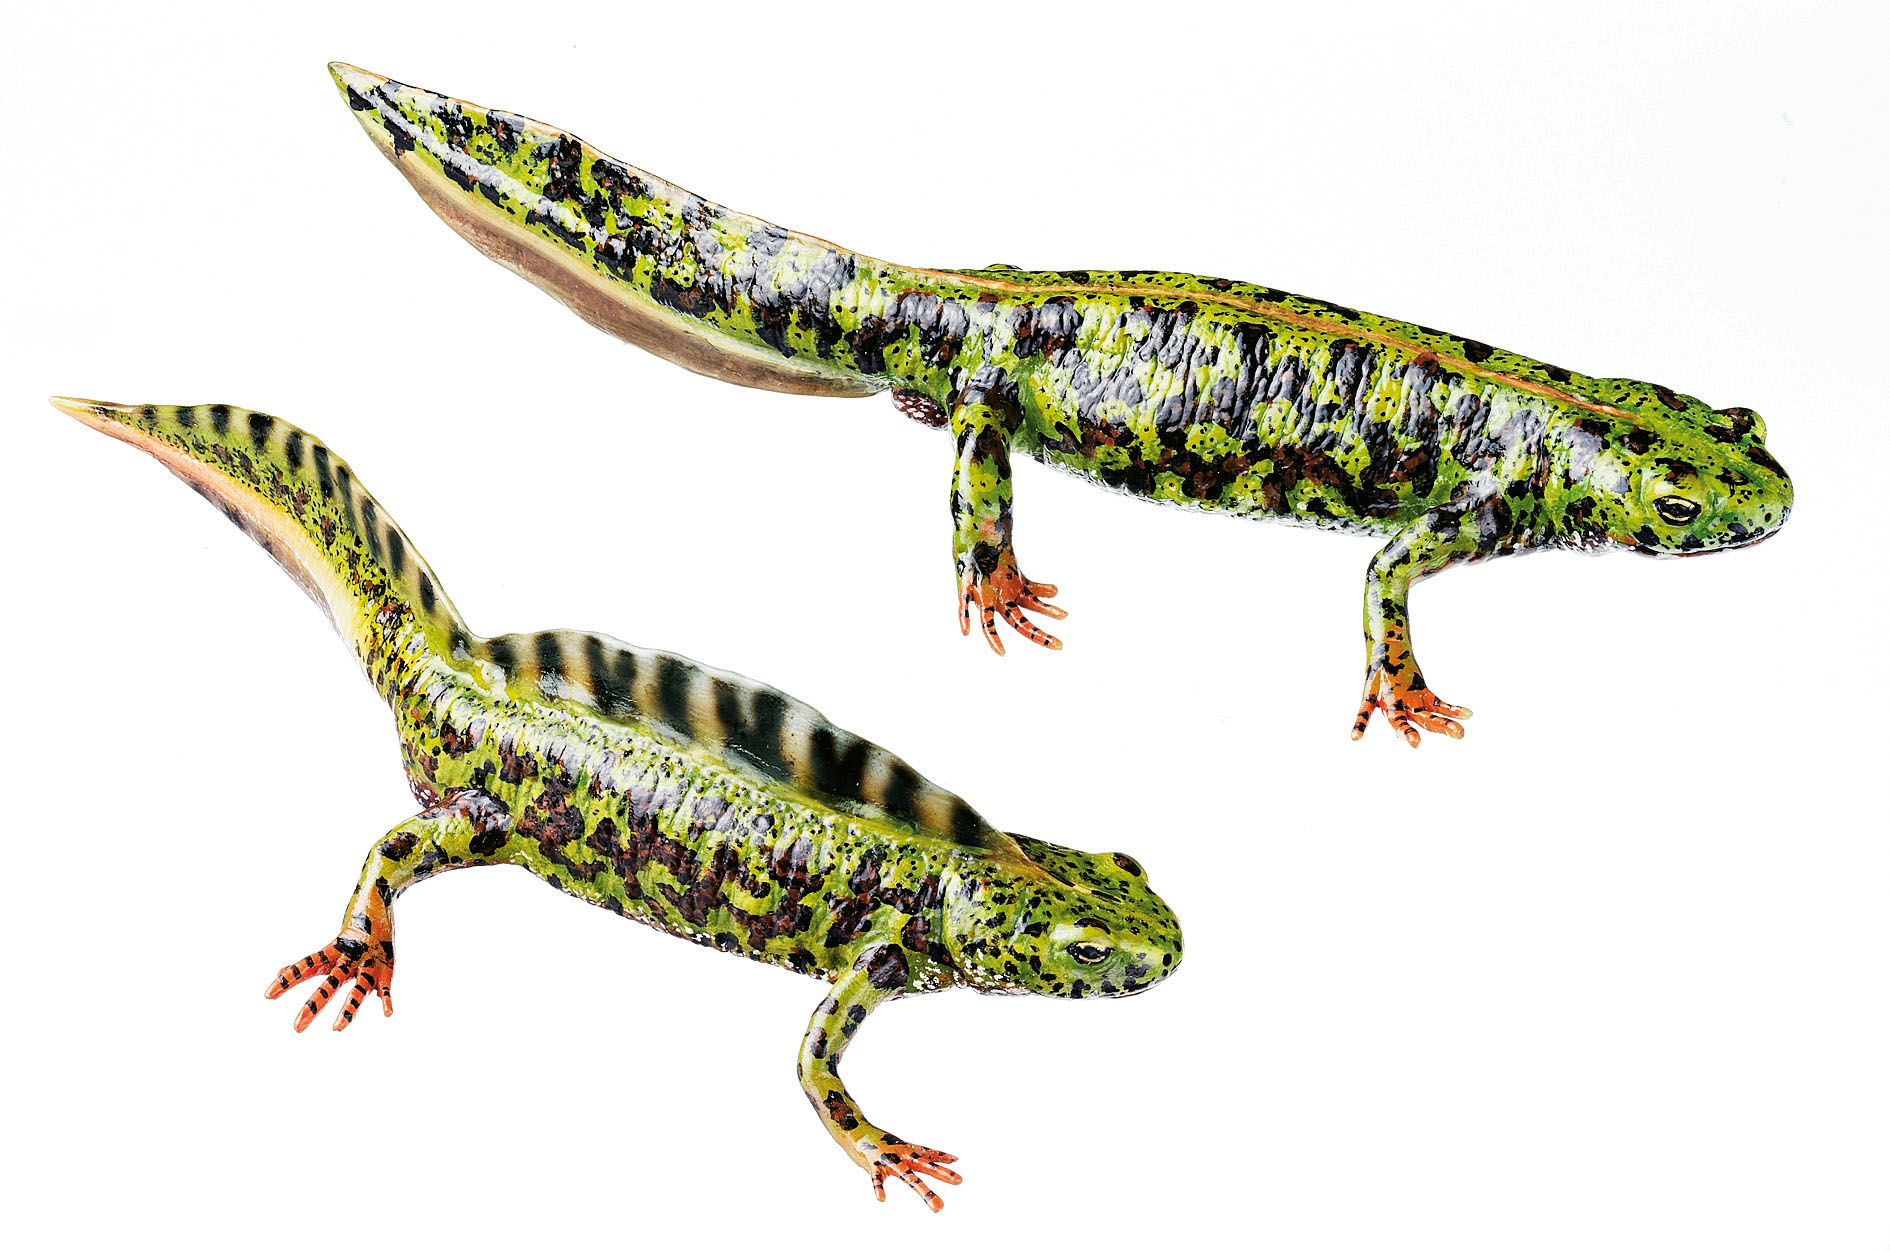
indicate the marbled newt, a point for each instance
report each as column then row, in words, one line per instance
column 691, row 799
column 1202, row 392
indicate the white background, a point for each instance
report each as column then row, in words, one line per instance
column 1610, row 972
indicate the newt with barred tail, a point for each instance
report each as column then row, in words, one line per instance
column 693, row 800
column 1215, row 395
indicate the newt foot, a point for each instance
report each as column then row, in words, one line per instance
column 1409, row 706
column 889, row 1157
column 347, row 959
column 1003, row 591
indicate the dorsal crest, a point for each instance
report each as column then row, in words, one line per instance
column 750, row 725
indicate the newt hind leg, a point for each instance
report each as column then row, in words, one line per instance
column 1394, row 685
column 468, row 827
column 989, row 580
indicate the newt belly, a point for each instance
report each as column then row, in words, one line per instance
column 1207, row 393
column 692, row 799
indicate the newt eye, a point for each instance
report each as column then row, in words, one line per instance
column 1089, row 953
column 1676, row 510
column 1127, row 864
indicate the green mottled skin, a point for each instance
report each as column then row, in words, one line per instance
column 1216, row 395
column 701, row 803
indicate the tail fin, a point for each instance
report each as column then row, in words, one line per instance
column 302, row 505
column 718, row 292
column 283, row 488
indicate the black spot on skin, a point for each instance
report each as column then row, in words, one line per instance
column 550, row 657
column 575, row 239
column 486, row 842
column 322, row 472
column 500, row 650
column 505, row 131
column 369, row 531
column 292, row 449
column 886, row 968
column 672, row 689
column 836, row 771
column 220, row 418
column 692, row 300
column 964, row 825
column 1763, row 459
column 260, row 424
column 617, row 180
column 427, row 598
column 1047, row 329
column 564, row 166
column 458, row 127
column 758, row 737
column 612, row 678
column 728, row 709
column 1476, row 353
column 902, row 788
column 187, row 417
column 1739, row 422
column 838, row 1112
column 1493, row 522
column 396, row 552
column 396, row 133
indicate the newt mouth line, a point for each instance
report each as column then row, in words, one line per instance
column 1732, row 545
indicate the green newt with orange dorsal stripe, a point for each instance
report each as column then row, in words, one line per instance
column 1207, row 393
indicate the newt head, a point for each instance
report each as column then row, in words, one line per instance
column 1681, row 484
column 1062, row 923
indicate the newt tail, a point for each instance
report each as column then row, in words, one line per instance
column 303, row 506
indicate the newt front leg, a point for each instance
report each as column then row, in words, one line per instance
column 469, row 827
column 983, row 426
column 880, row 973
column 1394, row 684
